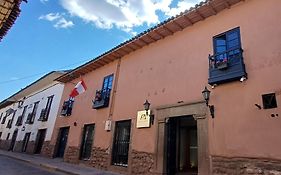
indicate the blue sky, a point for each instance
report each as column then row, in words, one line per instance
column 63, row 34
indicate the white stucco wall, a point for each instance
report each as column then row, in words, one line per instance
column 41, row 95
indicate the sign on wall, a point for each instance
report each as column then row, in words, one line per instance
column 143, row 119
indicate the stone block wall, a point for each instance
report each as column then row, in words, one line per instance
column 99, row 158
column 142, row 163
column 71, row 154
column 245, row 166
column 5, row 144
column 48, row 149
column 18, row 146
column 30, row 147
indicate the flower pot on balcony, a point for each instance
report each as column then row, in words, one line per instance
column 222, row 64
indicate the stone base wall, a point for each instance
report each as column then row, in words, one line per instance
column 71, row 154
column 18, row 146
column 99, row 158
column 245, row 166
column 30, row 147
column 48, row 149
column 142, row 163
column 5, row 144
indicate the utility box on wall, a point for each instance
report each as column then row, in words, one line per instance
column 107, row 126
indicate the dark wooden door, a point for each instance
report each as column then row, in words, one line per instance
column 40, row 140
column 62, row 140
column 13, row 141
column 87, row 141
column 171, row 145
column 25, row 141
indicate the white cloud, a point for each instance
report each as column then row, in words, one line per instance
column 58, row 20
column 63, row 23
column 50, row 16
column 181, row 6
column 124, row 14
column 44, row 1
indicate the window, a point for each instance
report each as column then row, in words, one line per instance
column 20, row 118
column 67, row 107
column 102, row 96
column 87, row 141
column 45, row 112
column 0, row 135
column 107, row 82
column 269, row 101
column 9, row 124
column 1, row 116
column 25, row 141
column 48, row 105
column 121, row 143
column 226, row 64
column 4, row 118
column 31, row 116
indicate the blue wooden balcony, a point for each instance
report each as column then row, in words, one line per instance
column 101, row 99
column 226, row 66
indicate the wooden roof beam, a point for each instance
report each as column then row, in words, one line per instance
column 169, row 30
column 199, row 14
column 150, row 37
column 130, row 47
column 162, row 36
column 211, row 7
column 188, row 19
column 136, row 44
column 121, row 52
column 142, row 40
column 177, row 24
column 227, row 4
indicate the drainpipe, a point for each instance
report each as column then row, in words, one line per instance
column 114, row 89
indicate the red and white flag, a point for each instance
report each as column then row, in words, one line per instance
column 79, row 89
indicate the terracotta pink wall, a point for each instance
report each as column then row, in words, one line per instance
column 176, row 69
column 83, row 113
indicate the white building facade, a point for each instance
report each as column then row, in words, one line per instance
column 27, row 118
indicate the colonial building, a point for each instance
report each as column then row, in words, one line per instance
column 232, row 47
column 27, row 118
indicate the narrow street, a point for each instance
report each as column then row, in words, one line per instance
column 9, row 166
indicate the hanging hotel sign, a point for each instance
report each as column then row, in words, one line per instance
column 143, row 119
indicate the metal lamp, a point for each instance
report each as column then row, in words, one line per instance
column 146, row 107
column 206, row 94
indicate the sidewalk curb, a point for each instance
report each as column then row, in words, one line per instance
column 54, row 168
column 44, row 165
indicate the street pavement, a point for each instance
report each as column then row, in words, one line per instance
column 21, row 164
column 10, row 166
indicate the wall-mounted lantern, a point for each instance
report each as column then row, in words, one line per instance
column 206, row 94
column 146, row 107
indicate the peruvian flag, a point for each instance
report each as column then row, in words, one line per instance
column 79, row 89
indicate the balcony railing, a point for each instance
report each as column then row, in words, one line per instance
column 67, row 108
column 226, row 66
column 101, row 99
